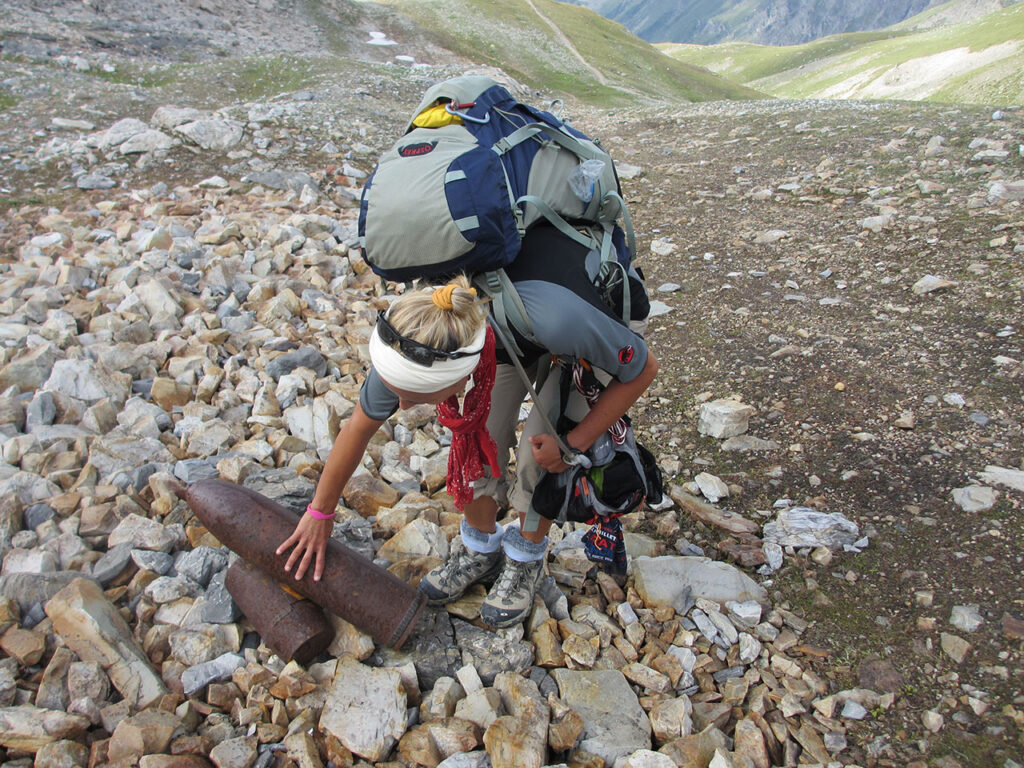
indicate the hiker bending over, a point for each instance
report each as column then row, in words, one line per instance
column 425, row 349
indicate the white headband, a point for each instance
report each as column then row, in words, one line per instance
column 401, row 372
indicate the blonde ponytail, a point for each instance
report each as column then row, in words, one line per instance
column 425, row 316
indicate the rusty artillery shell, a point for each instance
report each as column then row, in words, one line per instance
column 292, row 626
column 375, row 601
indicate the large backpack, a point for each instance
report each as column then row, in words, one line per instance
column 473, row 171
column 460, row 196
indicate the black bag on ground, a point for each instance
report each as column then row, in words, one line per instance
column 627, row 478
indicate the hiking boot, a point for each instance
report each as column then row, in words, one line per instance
column 464, row 568
column 511, row 598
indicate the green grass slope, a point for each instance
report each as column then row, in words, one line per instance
column 518, row 37
column 747, row 62
column 979, row 61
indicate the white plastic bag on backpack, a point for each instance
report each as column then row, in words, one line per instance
column 581, row 180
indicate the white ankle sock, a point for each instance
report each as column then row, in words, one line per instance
column 478, row 541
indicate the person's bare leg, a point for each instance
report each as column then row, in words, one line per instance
column 482, row 514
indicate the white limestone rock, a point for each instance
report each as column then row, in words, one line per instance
column 365, row 709
column 519, row 739
column 27, row 488
column 661, row 247
column 467, row 760
column 1000, row 192
column 975, row 498
column 930, row 284
column 118, row 133
column 663, row 580
column 750, row 648
column 713, row 488
column 966, row 617
column 645, row 758
column 143, row 533
column 88, row 381
column 239, row 752
column 1012, row 478
column 121, row 451
column 30, row 728
column 417, row 539
column 806, row 527
column 92, row 627
column 212, row 133
column 481, row 706
column 147, row 141
column 169, row 118
column 932, row 720
column 672, row 719
column 29, row 561
column 616, row 724
column 745, row 615
column 158, row 299
column 724, row 418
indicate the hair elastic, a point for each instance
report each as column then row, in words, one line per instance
column 442, row 297
column 316, row 514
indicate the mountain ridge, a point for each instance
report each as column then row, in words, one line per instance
column 766, row 22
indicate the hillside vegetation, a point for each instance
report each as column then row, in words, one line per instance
column 979, row 61
column 555, row 45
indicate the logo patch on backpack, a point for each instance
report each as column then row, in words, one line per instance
column 416, row 150
column 626, row 355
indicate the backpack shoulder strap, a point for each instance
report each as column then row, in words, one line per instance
column 509, row 310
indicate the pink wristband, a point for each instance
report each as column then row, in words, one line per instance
column 316, row 514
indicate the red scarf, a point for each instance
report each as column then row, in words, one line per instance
column 472, row 444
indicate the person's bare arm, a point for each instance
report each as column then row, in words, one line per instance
column 614, row 401
column 310, row 536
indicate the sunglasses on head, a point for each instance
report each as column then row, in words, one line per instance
column 414, row 350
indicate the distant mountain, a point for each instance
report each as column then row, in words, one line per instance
column 769, row 22
column 562, row 47
column 935, row 56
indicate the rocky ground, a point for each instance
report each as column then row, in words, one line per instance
column 853, row 272
column 839, row 331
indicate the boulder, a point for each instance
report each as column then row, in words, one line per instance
column 365, row 709
column 92, row 627
column 663, row 581
column 30, row 728
column 724, row 418
column 519, row 739
column 616, row 724
column 211, row 133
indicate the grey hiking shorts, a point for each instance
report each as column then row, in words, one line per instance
column 515, row 492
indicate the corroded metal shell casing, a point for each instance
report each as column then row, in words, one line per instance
column 291, row 626
column 377, row 602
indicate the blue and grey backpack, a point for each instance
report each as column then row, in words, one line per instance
column 459, row 196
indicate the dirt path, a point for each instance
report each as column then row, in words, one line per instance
column 598, row 75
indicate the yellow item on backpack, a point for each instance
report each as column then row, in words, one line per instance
column 436, row 117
